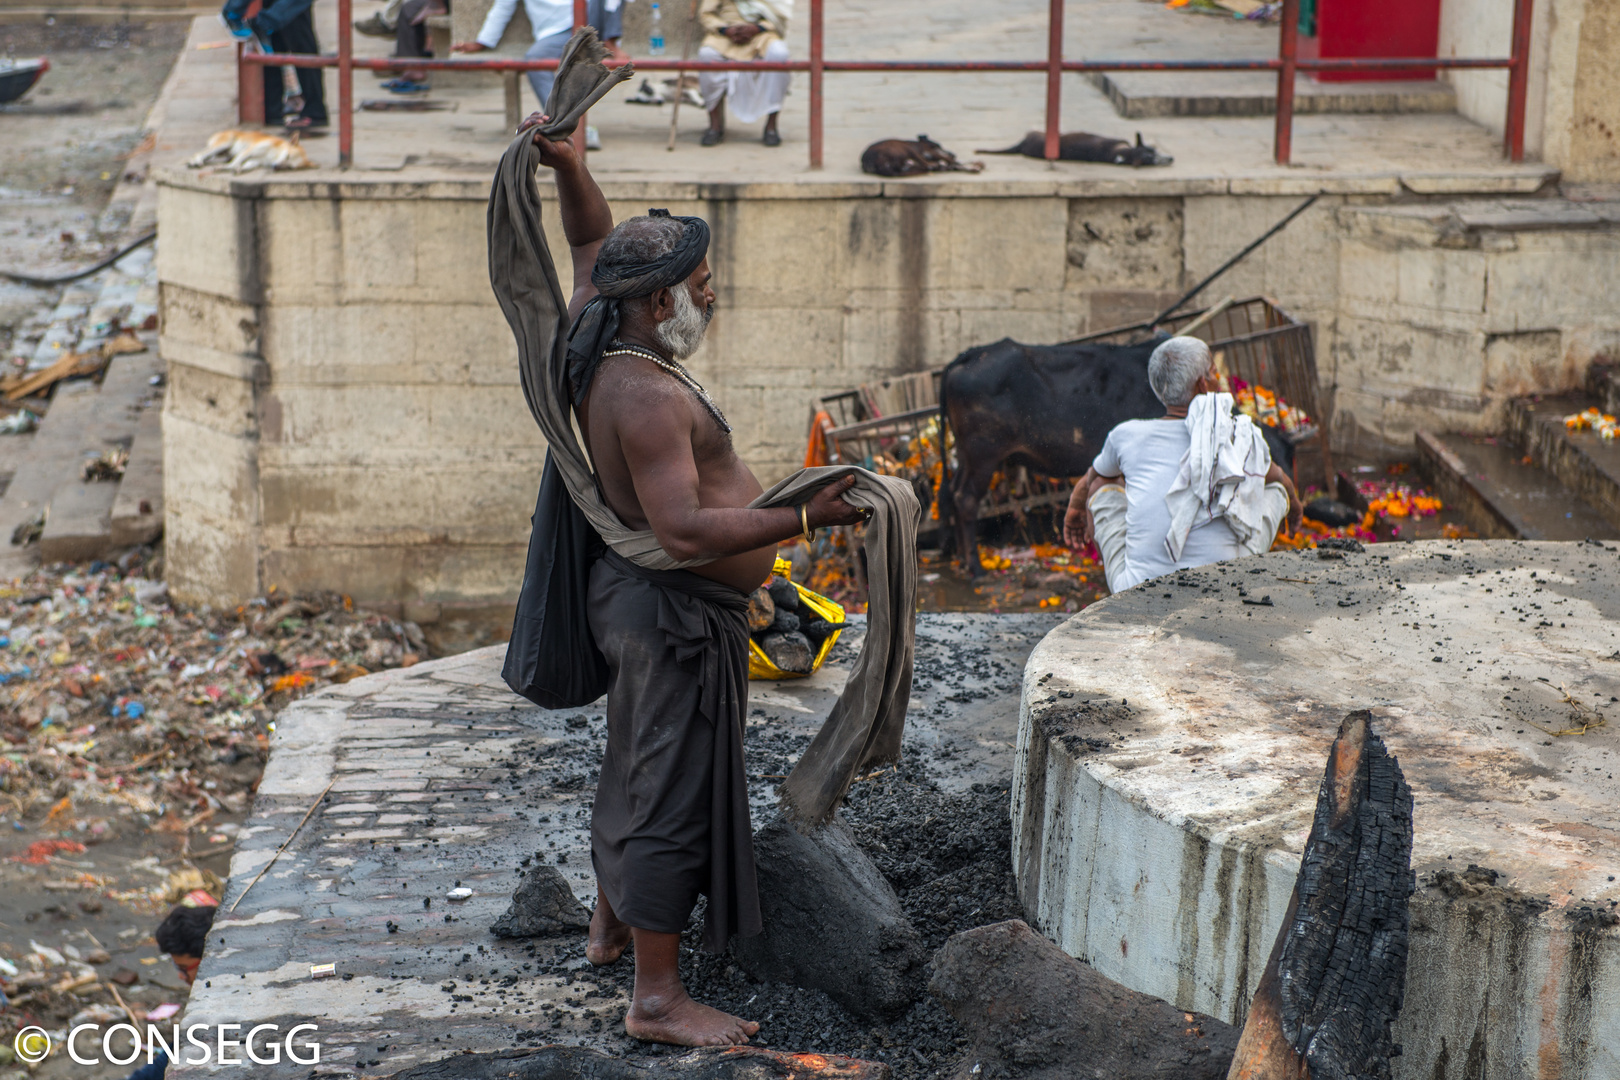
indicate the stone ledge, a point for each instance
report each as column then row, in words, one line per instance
column 1170, row 749
column 427, row 181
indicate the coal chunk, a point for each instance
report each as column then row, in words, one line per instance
column 761, row 610
column 789, row 652
column 1035, row 1012
column 543, row 904
column 786, row 622
column 832, row 923
column 1331, row 512
column 818, row 630
column 783, row 593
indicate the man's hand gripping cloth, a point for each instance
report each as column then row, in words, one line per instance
column 864, row 727
column 1222, row 473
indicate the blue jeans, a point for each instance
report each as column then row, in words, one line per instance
column 609, row 24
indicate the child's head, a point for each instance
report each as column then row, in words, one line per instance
column 182, row 936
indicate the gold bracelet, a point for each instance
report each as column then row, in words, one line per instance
column 804, row 522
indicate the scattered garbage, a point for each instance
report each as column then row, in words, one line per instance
column 322, row 971
column 120, row 712
column 460, row 893
column 107, row 465
column 20, row 422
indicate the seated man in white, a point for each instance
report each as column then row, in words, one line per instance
column 1193, row 487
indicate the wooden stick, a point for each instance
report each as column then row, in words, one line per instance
column 1207, row 317
column 129, row 1012
column 283, row 846
column 680, row 76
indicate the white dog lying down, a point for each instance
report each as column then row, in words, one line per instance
column 245, row 150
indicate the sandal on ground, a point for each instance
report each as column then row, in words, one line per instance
column 772, row 137
column 712, row 137
column 406, row 86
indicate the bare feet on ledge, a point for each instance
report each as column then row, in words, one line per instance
column 609, row 937
column 676, row 1019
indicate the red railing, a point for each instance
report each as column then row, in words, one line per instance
column 1286, row 64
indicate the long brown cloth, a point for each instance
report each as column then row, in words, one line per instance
column 864, row 727
column 670, row 819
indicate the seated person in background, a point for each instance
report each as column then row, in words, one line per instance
column 411, row 40
column 553, row 24
column 1196, row 486
column 182, row 935
column 744, row 30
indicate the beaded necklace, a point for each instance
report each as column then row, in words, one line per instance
column 674, row 367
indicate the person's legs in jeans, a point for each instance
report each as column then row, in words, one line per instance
column 549, row 47
column 1108, row 506
column 298, row 36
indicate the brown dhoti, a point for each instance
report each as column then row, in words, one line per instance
column 670, row 821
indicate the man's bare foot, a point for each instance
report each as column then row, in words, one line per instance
column 677, row 1019
column 608, row 936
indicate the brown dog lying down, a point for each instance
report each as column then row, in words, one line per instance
column 898, row 157
column 1083, row 146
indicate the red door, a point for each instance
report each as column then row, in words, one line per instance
column 1377, row 28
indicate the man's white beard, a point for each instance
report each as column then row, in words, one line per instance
column 682, row 332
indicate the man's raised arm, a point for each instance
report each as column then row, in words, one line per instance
column 586, row 219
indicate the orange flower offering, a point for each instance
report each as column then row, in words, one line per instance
column 1591, row 419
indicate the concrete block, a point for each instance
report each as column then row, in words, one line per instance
column 209, row 320
column 1443, row 279
column 1299, row 264
column 79, row 527
column 1124, row 244
column 137, row 510
column 210, row 242
column 1369, row 272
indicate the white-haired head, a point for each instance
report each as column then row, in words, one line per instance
column 1175, row 368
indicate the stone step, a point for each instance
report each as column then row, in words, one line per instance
column 79, row 527
column 137, row 513
column 1500, row 495
column 1603, row 383
column 1583, row 461
column 84, row 420
column 1142, row 94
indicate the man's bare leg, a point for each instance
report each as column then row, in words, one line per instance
column 661, row 1011
column 609, row 936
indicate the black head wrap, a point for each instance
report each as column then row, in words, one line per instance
column 617, row 280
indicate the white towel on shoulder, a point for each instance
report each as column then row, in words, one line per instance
column 1222, row 474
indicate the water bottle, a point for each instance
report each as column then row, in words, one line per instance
column 655, row 41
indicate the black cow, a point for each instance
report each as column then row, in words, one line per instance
column 1047, row 408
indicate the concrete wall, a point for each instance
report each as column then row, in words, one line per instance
column 1572, row 108
column 344, row 408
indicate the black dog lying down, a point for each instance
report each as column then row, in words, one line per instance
column 898, row 157
column 1083, row 146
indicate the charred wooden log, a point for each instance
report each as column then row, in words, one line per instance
column 1337, row 974
column 761, row 610
column 578, row 1063
column 1034, row 1011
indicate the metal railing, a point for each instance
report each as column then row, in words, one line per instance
column 1286, row 64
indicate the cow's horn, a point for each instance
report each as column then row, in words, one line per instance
column 1138, row 138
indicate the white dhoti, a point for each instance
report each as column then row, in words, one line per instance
column 753, row 95
column 1108, row 507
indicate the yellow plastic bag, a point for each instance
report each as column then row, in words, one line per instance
column 760, row 666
